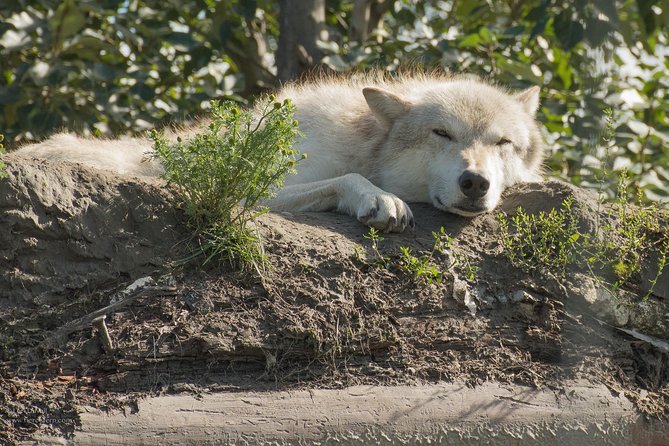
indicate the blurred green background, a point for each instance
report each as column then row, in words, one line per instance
column 117, row 67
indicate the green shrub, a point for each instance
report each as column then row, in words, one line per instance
column 224, row 173
column 543, row 241
column 629, row 234
column 550, row 242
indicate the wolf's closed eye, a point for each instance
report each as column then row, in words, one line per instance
column 442, row 133
column 503, row 141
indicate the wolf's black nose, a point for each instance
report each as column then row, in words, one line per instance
column 473, row 185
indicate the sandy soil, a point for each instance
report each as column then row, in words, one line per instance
column 325, row 316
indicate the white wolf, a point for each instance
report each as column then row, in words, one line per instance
column 375, row 144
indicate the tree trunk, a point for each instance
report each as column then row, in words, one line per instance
column 367, row 16
column 301, row 25
column 376, row 13
column 357, row 32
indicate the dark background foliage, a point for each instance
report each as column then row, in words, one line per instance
column 110, row 67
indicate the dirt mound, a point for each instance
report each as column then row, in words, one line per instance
column 327, row 314
column 67, row 230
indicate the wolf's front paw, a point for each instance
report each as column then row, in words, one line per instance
column 386, row 212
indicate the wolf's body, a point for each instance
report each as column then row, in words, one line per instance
column 374, row 145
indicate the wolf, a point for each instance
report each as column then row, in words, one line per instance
column 375, row 144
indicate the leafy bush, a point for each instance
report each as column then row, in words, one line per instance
column 223, row 174
column 116, row 67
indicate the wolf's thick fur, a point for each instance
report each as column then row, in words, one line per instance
column 375, row 144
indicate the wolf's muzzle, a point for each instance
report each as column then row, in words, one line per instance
column 473, row 185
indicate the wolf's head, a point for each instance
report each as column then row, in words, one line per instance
column 472, row 139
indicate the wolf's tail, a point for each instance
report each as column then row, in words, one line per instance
column 125, row 156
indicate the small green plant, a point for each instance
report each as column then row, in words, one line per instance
column 630, row 232
column 422, row 268
column 3, row 166
column 223, row 174
column 543, row 241
column 375, row 240
column 445, row 244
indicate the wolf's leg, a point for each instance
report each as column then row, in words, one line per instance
column 352, row 194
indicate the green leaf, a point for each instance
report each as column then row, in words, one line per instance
column 513, row 31
column 647, row 15
column 463, row 9
column 486, row 37
column 540, row 17
column 598, row 31
column 469, row 41
column 568, row 31
column 183, row 42
column 518, row 69
column 608, row 8
column 67, row 21
column 88, row 46
column 564, row 71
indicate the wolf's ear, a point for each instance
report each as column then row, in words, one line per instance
column 529, row 99
column 385, row 105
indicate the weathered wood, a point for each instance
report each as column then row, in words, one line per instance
column 441, row 414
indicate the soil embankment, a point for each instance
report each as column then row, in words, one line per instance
column 326, row 345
